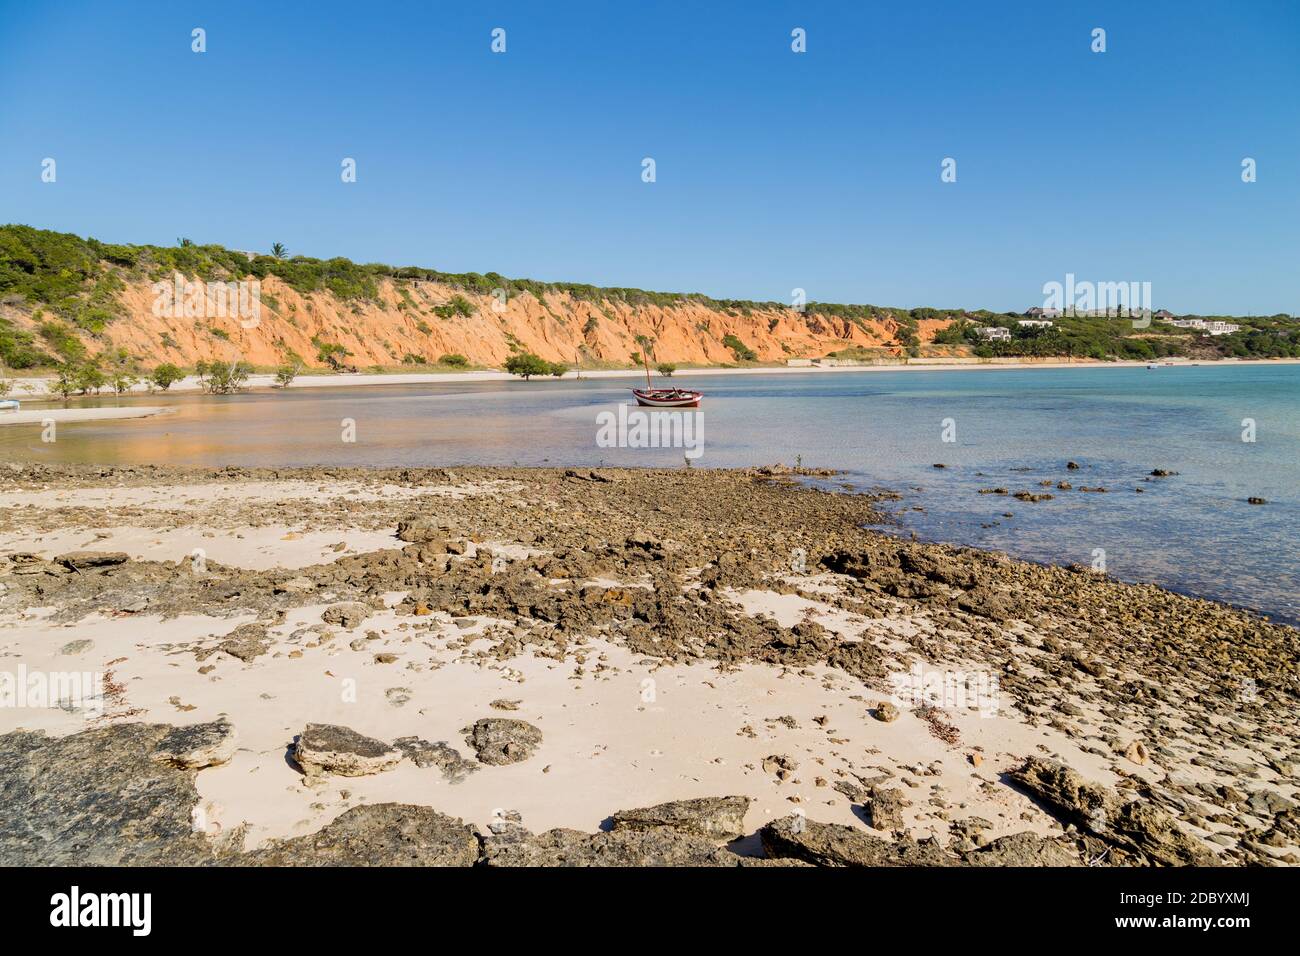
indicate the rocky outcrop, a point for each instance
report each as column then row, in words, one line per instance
column 1136, row 827
column 626, row 847
column 382, row 834
column 1024, row 849
column 455, row 767
column 718, row 818
column 833, row 844
column 501, row 740
column 332, row 749
column 102, row 797
column 347, row 614
column 198, row 745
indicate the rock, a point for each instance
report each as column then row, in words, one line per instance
column 421, row 531
column 884, row 808
column 657, row 847
column 1139, row 828
column 1024, row 849
column 781, row 765
column 501, row 740
column 455, row 768
column 1072, row 465
column 503, row 703
column 994, row 605
column 1136, row 752
column 1256, row 501
column 86, row 560
column 329, row 748
column 97, row 798
column 296, row 585
column 246, row 642
column 976, row 759
column 885, row 712
column 720, row 818
column 77, row 647
column 1162, row 473
column 348, row 614
column 198, row 745
column 832, row 844
column 1031, row 496
column 381, row 834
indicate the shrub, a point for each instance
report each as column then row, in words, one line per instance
column 739, row 349
column 666, row 369
column 459, row 305
column 331, row 353
column 410, row 358
column 526, row 364
column 165, row 375
column 454, row 359
column 558, row 369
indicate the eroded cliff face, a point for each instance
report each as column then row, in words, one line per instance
column 402, row 322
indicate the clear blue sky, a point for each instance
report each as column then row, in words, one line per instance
column 775, row 170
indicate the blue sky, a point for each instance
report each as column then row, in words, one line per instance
column 775, row 170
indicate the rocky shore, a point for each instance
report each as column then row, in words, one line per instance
column 543, row 667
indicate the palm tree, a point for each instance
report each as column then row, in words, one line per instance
column 278, row 250
column 184, row 243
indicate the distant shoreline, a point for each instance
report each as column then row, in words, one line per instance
column 343, row 380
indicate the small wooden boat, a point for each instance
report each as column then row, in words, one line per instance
column 652, row 397
column 667, row 397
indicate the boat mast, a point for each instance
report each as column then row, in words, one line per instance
column 646, row 359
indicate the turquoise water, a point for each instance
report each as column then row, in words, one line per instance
column 1013, row 428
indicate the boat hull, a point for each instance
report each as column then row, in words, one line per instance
column 667, row 398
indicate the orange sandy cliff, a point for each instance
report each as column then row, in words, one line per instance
column 558, row 327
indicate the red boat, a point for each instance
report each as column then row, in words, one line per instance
column 664, row 397
column 667, row 397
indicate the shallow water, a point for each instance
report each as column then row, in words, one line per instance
column 1012, row 428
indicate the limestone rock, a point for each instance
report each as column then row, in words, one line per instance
column 832, row 844
column 381, row 834
column 348, row 614
column 719, row 818
column 329, row 748
column 501, row 740
column 197, row 745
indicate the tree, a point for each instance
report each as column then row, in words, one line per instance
column 89, row 378
column 527, row 365
column 184, row 243
column 558, row 369
column 278, row 250
column 285, row 374
column 221, row 378
column 331, row 353
column 65, row 382
column 166, row 374
column 666, row 369
column 122, row 381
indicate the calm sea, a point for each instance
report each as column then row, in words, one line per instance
column 1009, row 428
